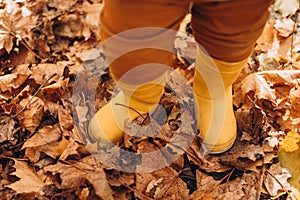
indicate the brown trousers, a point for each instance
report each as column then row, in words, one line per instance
column 227, row 29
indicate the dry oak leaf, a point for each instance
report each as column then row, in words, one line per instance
column 98, row 179
column 244, row 156
column 70, row 149
column 65, row 118
column 91, row 17
column 205, row 183
column 70, row 26
column 44, row 136
column 29, row 181
column 11, row 81
column 61, row 5
column 32, row 118
column 33, row 114
column 14, row 26
column 42, row 72
column 53, row 150
column 71, row 175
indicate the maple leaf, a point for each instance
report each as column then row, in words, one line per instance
column 257, row 83
column 29, row 181
column 161, row 184
column 14, row 26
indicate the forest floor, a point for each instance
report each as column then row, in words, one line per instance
column 51, row 84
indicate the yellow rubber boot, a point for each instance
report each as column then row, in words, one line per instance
column 213, row 90
column 108, row 123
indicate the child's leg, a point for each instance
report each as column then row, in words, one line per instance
column 138, row 90
column 227, row 30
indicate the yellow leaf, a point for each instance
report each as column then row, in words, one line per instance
column 290, row 142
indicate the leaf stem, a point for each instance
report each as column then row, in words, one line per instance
column 119, row 104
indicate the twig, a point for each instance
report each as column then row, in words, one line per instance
column 227, row 177
column 7, row 120
column 76, row 167
column 206, row 189
column 134, row 190
column 119, row 104
column 26, row 45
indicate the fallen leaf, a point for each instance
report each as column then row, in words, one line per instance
column 258, row 84
column 14, row 26
column 81, row 112
column 74, row 174
column 291, row 161
column 290, row 142
column 281, row 76
column 70, row 25
column 286, row 7
column 42, row 72
column 162, row 184
column 7, row 129
column 65, row 119
column 92, row 12
column 61, row 5
column 244, row 156
column 264, row 42
column 32, row 118
column 29, row 181
column 285, row 27
column 11, row 81
column 243, row 187
column 99, row 181
column 280, row 175
column 43, row 136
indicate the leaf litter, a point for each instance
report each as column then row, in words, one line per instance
column 42, row 143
